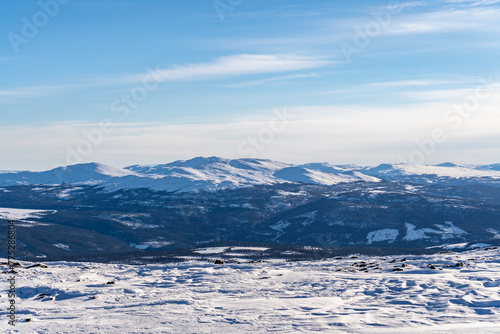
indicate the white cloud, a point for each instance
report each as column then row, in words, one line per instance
column 281, row 78
column 402, row 6
column 453, row 94
column 417, row 90
column 473, row 2
column 315, row 133
column 222, row 67
column 16, row 94
column 459, row 19
column 237, row 65
column 19, row 93
column 414, row 82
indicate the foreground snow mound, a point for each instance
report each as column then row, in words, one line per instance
column 442, row 293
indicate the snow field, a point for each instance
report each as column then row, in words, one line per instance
column 354, row 294
column 23, row 213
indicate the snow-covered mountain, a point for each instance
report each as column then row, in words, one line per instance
column 89, row 209
column 446, row 170
column 90, row 173
column 213, row 173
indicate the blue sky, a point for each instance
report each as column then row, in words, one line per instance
column 360, row 82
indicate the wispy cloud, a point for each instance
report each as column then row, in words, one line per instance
column 416, row 18
column 223, row 67
column 290, row 12
column 450, row 20
column 417, row 84
column 402, row 6
column 413, row 83
column 473, row 3
column 407, row 93
column 443, row 95
column 28, row 92
column 236, row 65
column 275, row 79
column 15, row 94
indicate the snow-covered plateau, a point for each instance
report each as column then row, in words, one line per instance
column 441, row 293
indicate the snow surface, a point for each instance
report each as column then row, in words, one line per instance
column 413, row 234
column 255, row 249
column 386, row 234
column 280, row 225
column 346, row 295
column 152, row 244
column 450, row 231
column 131, row 220
column 451, row 171
column 446, row 231
column 211, row 250
column 23, row 213
column 62, row 246
column 496, row 234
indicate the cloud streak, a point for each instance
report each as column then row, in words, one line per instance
column 13, row 95
column 458, row 19
column 222, row 67
column 275, row 79
column 237, row 65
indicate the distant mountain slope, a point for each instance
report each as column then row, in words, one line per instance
column 389, row 213
column 213, row 173
column 90, row 173
column 82, row 220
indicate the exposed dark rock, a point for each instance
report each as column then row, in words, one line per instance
column 41, row 265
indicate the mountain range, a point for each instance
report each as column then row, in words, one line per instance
column 213, row 173
column 90, row 210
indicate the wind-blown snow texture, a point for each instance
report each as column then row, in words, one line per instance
column 442, row 293
column 215, row 173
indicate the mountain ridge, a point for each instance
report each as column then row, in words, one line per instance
column 215, row 173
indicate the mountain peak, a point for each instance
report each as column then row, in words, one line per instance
column 94, row 168
column 447, row 164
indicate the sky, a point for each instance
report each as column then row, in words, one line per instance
column 125, row 82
